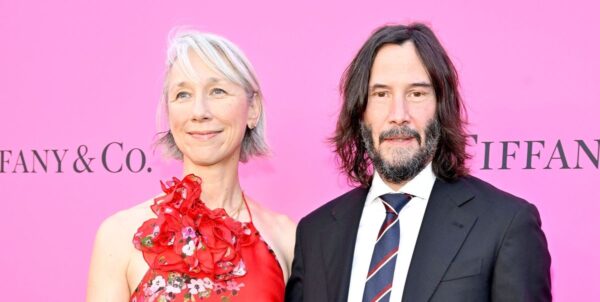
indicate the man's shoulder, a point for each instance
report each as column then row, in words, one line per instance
column 496, row 198
column 353, row 198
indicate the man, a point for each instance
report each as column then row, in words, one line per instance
column 419, row 228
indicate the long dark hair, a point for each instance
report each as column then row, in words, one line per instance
column 450, row 156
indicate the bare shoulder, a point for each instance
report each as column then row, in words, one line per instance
column 116, row 232
column 278, row 230
column 125, row 222
column 274, row 221
column 112, row 254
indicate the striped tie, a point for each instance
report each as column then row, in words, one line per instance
column 383, row 261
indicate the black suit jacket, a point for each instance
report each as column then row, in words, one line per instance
column 476, row 243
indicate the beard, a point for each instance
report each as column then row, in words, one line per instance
column 404, row 164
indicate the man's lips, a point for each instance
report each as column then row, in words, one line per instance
column 402, row 140
column 399, row 138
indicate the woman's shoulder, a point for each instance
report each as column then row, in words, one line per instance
column 121, row 226
column 113, row 250
column 278, row 230
column 275, row 221
column 115, row 234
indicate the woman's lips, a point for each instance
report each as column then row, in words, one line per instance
column 203, row 135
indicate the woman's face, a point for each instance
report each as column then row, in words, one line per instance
column 208, row 114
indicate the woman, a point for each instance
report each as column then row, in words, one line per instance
column 203, row 239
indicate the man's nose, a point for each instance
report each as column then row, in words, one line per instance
column 399, row 110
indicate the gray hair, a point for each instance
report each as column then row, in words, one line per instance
column 226, row 58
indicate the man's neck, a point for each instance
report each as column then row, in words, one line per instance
column 396, row 186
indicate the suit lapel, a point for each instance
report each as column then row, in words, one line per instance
column 337, row 243
column 445, row 226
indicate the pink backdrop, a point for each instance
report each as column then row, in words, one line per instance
column 89, row 73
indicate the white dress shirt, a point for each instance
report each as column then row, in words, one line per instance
column 371, row 220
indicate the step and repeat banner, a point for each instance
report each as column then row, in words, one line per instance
column 81, row 83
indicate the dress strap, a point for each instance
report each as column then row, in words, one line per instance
column 247, row 207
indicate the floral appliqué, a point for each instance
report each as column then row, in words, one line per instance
column 193, row 251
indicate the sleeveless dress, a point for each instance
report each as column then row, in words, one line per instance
column 199, row 254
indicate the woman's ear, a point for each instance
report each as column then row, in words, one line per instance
column 254, row 110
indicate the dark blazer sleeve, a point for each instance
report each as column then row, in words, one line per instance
column 522, row 269
column 294, row 288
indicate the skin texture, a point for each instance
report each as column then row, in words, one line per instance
column 208, row 116
column 400, row 94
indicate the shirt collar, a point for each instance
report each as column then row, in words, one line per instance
column 420, row 186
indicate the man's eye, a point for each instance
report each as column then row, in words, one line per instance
column 380, row 94
column 418, row 94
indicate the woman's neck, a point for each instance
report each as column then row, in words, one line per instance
column 220, row 185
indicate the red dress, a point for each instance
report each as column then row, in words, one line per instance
column 198, row 254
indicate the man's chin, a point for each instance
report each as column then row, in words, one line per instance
column 396, row 162
column 396, row 156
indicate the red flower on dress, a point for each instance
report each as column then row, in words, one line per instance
column 189, row 238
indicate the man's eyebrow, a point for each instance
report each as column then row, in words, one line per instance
column 421, row 84
column 378, row 86
column 415, row 84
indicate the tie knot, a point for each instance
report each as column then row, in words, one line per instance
column 395, row 201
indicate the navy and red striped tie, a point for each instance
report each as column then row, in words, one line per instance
column 383, row 262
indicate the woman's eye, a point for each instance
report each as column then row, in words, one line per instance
column 182, row 95
column 218, row 92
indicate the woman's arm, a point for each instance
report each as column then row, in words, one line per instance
column 108, row 269
column 280, row 233
column 294, row 288
column 288, row 239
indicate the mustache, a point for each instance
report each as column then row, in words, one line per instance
column 404, row 131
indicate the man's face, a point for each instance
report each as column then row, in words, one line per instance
column 399, row 127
